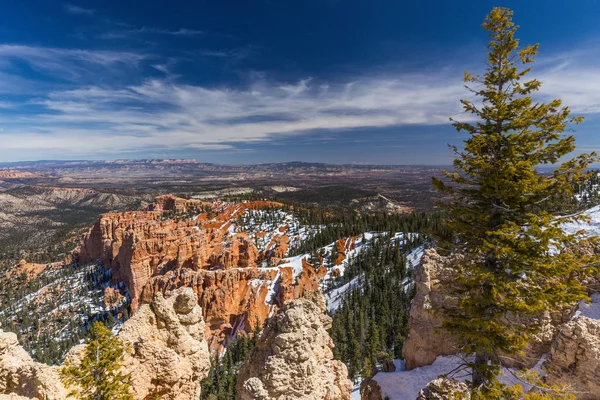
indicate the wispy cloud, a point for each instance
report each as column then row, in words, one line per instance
column 577, row 87
column 162, row 68
column 76, row 10
column 161, row 114
column 69, row 64
column 118, row 34
column 238, row 53
column 182, row 32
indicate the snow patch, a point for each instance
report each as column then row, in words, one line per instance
column 592, row 228
column 591, row 310
column 414, row 257
column 273, row 292
column 405, row 385
column 334, row 298
column 255, row 283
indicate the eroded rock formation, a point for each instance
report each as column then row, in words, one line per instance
column 427, row 340
column 140, row 245
column 112, row 298
column 236, row 298
column 13, row 396
column 166, row 355
column 574, row 358
column 293, row 357
column 21, row 376
column 343, row 246
column 370, row 390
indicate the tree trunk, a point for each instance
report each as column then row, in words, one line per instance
column 478, row 377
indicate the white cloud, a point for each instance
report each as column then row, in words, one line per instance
column 94, row 119
column 161, row 67
column 238, row 53
column 76, row 10
column 578, row 87
column 182, row 32
column 70, row 64
column 161, row 114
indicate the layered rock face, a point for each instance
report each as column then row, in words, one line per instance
column 14, row 174
column 190, row 243
column 427, row 340
column 166, row 355
column 574, row 358
column 293, row 357
column 21, row 377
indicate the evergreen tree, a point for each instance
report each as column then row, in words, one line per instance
column 371, row 322
column 222, row 376
column 97, row 377
column 500, row 213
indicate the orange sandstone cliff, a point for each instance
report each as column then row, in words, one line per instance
column 190, row 243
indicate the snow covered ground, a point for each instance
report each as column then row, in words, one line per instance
column 334, row 297
column 592, row 227
column 405, row 385
column 590, row 310
column 264, row 226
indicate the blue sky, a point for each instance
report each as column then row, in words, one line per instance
column 269, row 81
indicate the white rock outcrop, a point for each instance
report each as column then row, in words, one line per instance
column 574, row 358
column 426, row 339
column 293, row 357
column 167, row 354
column 444, row 389
column 21, row 377
column 13, row 396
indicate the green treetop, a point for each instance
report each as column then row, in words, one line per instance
column 98, row 376
column 500, row 209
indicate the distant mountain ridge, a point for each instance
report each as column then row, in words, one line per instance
column 159, row 161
